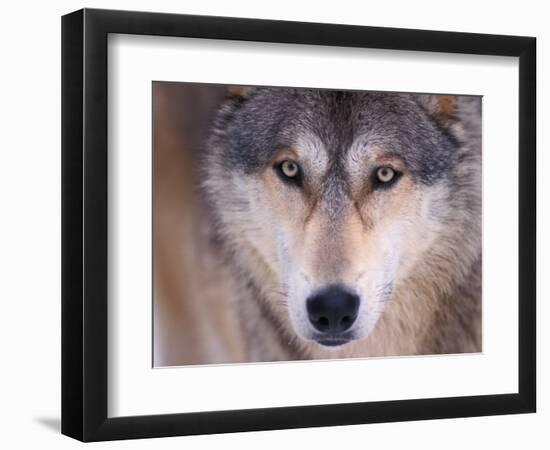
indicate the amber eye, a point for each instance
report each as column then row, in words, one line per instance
column 385, row 174
column 289, row 171
column 289, row 168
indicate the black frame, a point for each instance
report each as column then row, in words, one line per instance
column 84, row 224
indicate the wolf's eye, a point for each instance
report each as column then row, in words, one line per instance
column 289, row 168
column 289, row 171
column 385, row 177
column 385, row 174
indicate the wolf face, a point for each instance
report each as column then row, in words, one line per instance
column 331, row 201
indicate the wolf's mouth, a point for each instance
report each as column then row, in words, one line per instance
column 333, row 341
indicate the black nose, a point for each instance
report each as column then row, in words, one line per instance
column 332, row 310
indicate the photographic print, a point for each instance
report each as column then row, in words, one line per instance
column 293, row 228
column 297, row 224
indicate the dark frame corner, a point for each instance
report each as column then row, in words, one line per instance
column 84, row 224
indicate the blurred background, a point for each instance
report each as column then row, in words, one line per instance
column 192, row 320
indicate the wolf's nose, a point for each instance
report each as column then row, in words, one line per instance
column 333, row 309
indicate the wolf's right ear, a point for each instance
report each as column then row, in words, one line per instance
column 235, row 97
column 236, row 91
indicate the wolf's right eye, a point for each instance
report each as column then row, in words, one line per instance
column 289, row 171
column 385, row 174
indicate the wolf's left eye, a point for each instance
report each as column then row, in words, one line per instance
column 385, row 176
column 289, row 171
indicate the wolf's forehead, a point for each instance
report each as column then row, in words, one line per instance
column 429, row 161
column 330, row 129
column 336, row 125
column 320, row 154
column 311, row 148
column 358, row 130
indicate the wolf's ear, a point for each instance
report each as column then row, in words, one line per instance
column 236, row 91
column 457, row 113
column 443, row 108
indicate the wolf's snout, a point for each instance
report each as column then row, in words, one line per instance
column 332, row 310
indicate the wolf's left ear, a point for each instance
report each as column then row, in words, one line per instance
column 443, row 108
column 459, row 114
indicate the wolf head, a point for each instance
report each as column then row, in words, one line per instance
column 332, row 201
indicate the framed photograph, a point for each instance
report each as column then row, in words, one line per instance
column 273, row 224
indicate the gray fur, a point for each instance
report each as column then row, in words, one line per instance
column 437, row 307
column 271, row 118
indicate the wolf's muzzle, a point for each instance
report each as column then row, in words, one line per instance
column 332, row 311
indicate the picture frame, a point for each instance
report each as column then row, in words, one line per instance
column 85, row 240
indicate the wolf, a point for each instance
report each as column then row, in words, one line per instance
column 350, row 220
